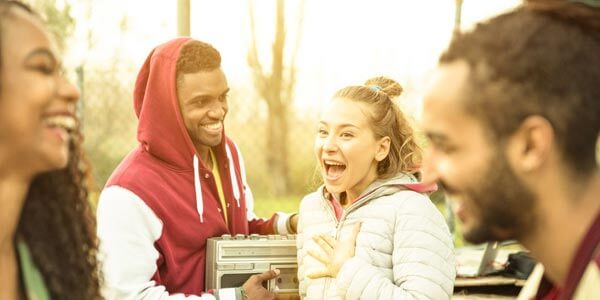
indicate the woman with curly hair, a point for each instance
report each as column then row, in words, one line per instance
column 47, row 235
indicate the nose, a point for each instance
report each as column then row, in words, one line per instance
column 329, row 143
column 68, row 91
column 429, row 167
column 217, row 111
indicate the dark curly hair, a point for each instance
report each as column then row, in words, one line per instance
column 57, row 222
column 543, row 59
column 196, row 56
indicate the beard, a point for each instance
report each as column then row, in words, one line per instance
column 503, row 205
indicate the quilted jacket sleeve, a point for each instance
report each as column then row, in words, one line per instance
column 422, row 257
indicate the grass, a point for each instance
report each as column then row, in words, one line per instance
column 266, row 206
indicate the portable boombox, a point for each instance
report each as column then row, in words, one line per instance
column 230, row 261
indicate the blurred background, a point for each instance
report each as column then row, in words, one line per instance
column 282, row 59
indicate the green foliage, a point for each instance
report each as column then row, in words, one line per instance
column 108, row 118
column 266, row 206
column 58, row 19
column 106, row 109
column 246, row 125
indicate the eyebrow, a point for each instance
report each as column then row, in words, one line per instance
column 205, row 96
column 436, row 137
column 44, row 52
column 341, row 125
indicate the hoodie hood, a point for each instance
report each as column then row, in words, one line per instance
column 161, row 130
column 402, row 181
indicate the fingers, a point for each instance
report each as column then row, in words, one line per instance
column 318, row 274
column 350, row 242
column 325, row 245
column 319, row 256
column 267, row 275
column 329, row 240
column 294, row 222
column 355, row 231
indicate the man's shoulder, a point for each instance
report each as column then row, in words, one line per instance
column 143, row 175
column 588, row 287
column 136, row 166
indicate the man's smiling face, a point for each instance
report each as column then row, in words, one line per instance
column 486, row 195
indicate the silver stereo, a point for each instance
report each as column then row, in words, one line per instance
column 230, row 261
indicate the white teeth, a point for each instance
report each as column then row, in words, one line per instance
column 333, row 163
column 66, row 122
column 213, row 125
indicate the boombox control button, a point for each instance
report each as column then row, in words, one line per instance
column 240, row 236
column 272, row 237
column 225, row 267
column 226, row 236
column 261, row 266
column 254, row 236
column 291, row 236
column 249, row 266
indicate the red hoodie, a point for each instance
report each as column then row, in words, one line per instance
column 161, row 173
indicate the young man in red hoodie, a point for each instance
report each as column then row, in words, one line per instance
column 513, row 118
column 183, row 184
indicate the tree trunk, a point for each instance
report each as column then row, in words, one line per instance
column 277, row 149
column 276, row 88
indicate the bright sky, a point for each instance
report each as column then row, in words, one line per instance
column 343, row 41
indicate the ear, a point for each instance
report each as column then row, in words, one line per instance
column 383, row 148
column 530, row 146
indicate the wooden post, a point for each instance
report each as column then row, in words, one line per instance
column 457, row 17
column 183, row 17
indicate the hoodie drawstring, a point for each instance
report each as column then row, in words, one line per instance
column 234, row 179
column 198, row 190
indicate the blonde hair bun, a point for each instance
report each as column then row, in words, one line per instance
column 383, row 84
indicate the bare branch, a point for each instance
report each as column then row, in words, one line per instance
column 291, row 74
column 276, row 78
column 288, row 90
column 276, row 90
column 253, row 60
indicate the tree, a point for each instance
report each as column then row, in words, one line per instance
column 276, row 89
column 58, row 19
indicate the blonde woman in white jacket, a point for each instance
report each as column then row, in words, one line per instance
column 370, row 232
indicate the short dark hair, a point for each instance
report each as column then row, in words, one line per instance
column 196, row 56
column 542, row 58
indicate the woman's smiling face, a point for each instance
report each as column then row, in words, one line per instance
column 346, row 147
column 37, row 104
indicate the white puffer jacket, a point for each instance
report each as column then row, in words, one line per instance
column 403, row 251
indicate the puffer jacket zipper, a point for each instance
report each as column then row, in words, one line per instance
column 339, row 224
column 332, row 215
